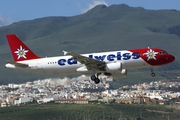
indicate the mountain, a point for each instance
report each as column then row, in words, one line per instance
column 102, row 28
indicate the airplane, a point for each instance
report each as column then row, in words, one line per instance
column 113, row 63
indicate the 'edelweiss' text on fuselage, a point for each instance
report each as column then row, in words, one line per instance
column 111, row 57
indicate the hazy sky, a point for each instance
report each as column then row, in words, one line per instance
column 17, row 10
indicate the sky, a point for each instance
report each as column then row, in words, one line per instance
column 18, row 10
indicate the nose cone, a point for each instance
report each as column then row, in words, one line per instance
column 171, row 58
column 167, row 59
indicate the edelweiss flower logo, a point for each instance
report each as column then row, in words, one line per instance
column 21, row 52
column 150, row 54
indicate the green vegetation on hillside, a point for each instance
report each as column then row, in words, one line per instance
column 53, row 111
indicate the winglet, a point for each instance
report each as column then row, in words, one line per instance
column 65, row 52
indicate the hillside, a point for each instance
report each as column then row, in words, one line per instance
column 102, row 28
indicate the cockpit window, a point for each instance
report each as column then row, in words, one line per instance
column 163, row 52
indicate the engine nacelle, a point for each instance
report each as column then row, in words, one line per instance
column 110, row 67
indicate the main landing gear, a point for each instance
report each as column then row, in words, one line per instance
column 95, row 79
column 152, row 73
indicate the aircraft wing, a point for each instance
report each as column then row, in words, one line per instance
column 88, row 62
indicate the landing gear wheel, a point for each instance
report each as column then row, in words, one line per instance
column 97, row 81
column 153, row 74
column 93, row 77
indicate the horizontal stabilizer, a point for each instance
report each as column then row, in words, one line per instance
column 21, row 65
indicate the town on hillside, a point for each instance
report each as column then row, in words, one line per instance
column 81, row 90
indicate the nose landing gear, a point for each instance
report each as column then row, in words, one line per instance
column 152, row 72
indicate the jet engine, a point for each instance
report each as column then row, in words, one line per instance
column 110, row 67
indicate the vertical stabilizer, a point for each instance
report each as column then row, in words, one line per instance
column 19, row 50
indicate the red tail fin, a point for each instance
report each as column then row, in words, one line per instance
column 19, row 50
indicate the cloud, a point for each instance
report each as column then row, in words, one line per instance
column 93, row 4
column 65, row 80
column 4, row 21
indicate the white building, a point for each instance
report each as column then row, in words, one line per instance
column 23, row 100
column 45, row 100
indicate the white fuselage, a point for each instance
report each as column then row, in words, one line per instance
column 66, row 65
